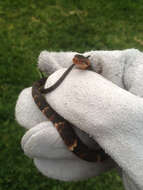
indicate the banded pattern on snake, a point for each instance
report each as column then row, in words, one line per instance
column 64, row 127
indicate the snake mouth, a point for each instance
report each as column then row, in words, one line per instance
column 82, row 64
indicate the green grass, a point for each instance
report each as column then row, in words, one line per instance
column 28, row 27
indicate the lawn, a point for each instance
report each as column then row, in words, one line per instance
column 28, row 27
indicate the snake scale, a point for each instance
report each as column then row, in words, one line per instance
column 64, row 127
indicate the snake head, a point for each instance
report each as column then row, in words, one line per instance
column 81, row 61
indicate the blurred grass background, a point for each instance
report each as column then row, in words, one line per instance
column 28, row 27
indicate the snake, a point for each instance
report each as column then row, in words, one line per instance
column 63, row 126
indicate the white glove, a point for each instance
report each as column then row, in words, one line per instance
column 111, row 115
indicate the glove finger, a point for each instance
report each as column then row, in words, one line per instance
column 49, row 62
column 44, row 141
column 71, row 170
column 26, row 111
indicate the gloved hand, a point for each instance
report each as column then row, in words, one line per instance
column 111, row 115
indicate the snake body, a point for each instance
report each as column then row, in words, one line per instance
column 64, row 127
